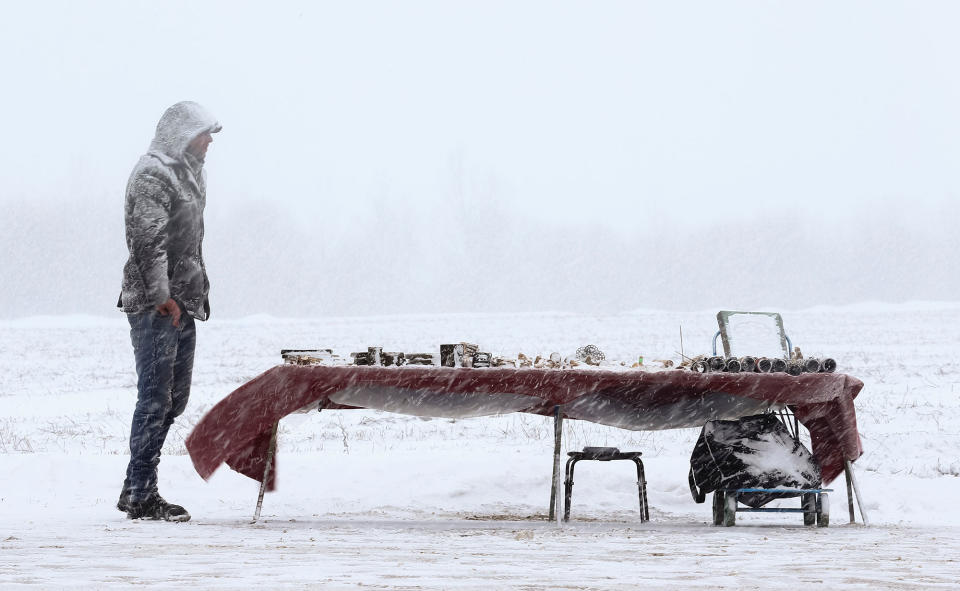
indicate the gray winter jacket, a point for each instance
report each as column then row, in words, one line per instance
column 165, row 198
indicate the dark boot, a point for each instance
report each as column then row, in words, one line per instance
column 155, row 508
column 123, row 503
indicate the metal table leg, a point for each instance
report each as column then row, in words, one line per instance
column 557, row 435
column 856, row 489
column 271, row 450
column 849, row 479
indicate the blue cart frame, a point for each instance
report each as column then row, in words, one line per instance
column 814, row 504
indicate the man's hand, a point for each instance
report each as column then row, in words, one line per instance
column 170, row 307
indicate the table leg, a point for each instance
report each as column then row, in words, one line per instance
column 557, row 435
column 849, row 479
column 856, row 489
column 271, row 450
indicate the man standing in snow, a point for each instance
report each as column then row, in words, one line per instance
column 164, row 291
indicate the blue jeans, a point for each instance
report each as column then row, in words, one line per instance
column 164, row 357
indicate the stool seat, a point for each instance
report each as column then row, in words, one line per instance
column 605, row 454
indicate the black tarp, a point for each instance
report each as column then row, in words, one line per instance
column 752, row 452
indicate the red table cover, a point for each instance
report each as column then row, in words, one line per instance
column 237, row 430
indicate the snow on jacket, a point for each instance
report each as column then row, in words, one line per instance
column 166, row 195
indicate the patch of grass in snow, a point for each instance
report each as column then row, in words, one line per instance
column 12, row 440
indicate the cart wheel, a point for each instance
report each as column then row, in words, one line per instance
column 730, row 509
column 823, row 514
column 809, row 503
column 718, row 498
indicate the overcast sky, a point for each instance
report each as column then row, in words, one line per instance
column 608, row 145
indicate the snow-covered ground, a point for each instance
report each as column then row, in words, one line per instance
column 375, row 500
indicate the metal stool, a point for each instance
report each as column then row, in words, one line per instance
column 605, row 454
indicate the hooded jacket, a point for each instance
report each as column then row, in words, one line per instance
column 163, row 213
